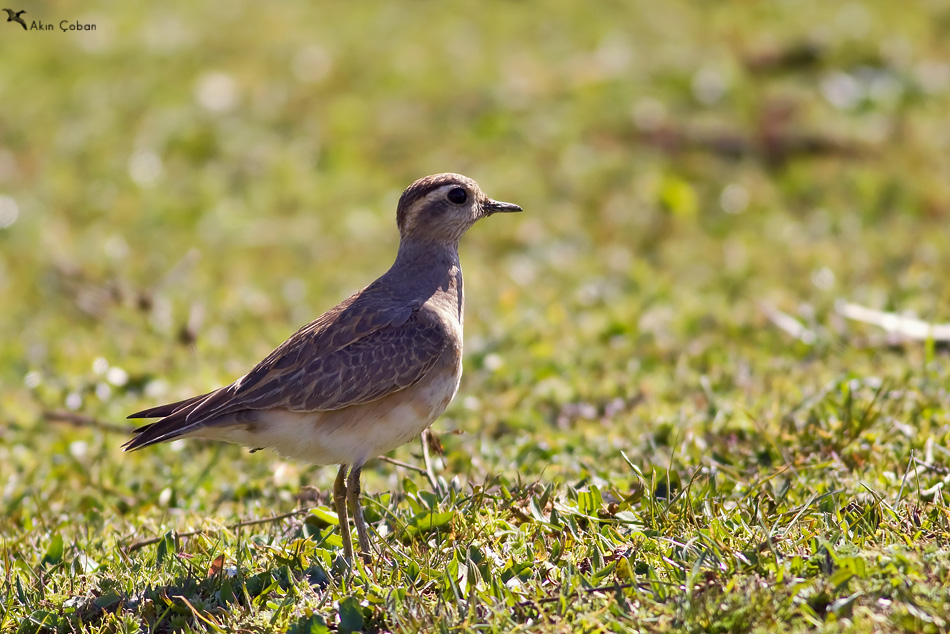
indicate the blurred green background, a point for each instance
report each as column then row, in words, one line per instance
column 183, row 187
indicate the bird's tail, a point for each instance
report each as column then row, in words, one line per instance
column 171, row 426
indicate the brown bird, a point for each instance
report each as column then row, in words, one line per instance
column 366, row 376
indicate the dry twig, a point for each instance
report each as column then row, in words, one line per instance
column 788, row 324
column 894, row 323
column 81, row 420
column 264, row 520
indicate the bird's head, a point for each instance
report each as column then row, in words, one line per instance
column 441, row 208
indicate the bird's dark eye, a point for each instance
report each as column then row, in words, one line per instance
column 457, row 195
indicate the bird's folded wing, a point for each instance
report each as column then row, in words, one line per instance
column 386, row 361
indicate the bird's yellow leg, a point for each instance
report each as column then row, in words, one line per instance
column 353, row 497
column 339, row 501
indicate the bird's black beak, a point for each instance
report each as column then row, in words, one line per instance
column 496, row 206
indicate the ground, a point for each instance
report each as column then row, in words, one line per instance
column 667, row 420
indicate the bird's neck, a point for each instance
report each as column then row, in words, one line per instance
column 431, row 270
column 418, row 254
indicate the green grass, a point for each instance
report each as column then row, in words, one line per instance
column 635, row 445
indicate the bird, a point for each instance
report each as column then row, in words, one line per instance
column 14, row 16
column 367, row 376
